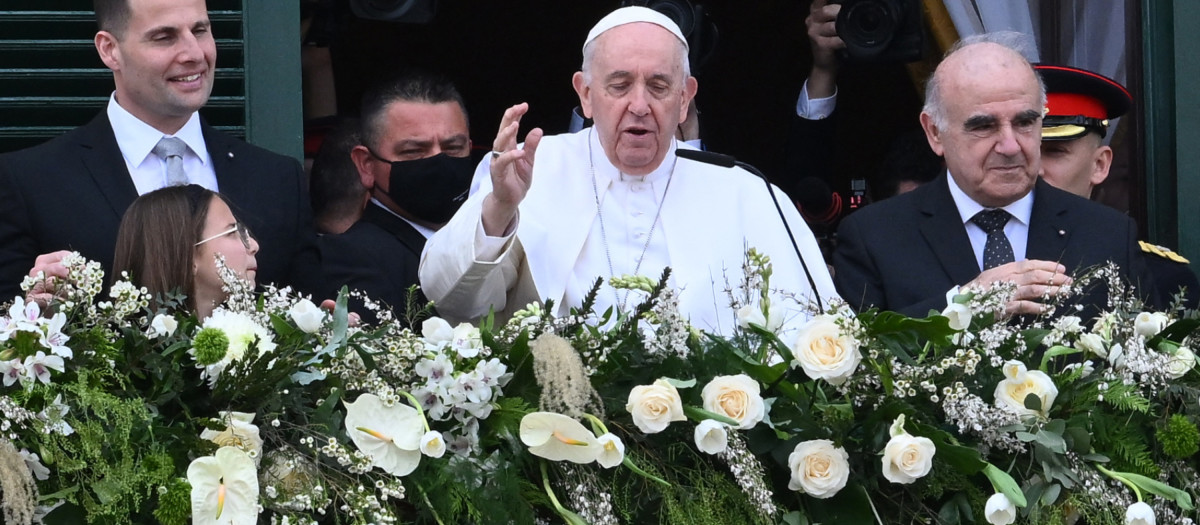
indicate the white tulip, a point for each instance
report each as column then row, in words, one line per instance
column 1000, row 510
column 1149, row 324
column 307, row 316
column 163, row 325
column 959, row 316
column 1139, row 514
column 612, row 451
column 711, row 437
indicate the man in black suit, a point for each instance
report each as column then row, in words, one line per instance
column 71, row 192
column 992, row 219
column 414, row 159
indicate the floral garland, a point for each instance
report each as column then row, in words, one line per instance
column 272, row 410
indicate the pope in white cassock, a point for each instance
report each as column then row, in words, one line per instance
column 615, row 199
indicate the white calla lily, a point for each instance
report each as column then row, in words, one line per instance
column 390, row 435
column 999, row 510
column 224, row 488
column 711, row 437
column 558, row 438
column 1139, row 514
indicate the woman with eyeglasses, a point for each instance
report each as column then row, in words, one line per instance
column 170, row 239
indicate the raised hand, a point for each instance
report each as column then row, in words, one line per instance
column 822, row 33
column 51, row 267
column 512, row 171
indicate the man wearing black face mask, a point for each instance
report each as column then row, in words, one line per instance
column 414, row 160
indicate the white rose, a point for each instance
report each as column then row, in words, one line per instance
column 307, row 316
column 1093, row 343
column 1018, row 383
column 711, row 437
column 736, row 397
column 1149, row 324
column 1000, row 510
column 906, row 457
column 432, row 444
column 959, row 316
column 655, row 406
column 1182, row 361
column 818, row 468
column 240, row 432
column 163, row 325
column 1139, row 514
column 824, row 352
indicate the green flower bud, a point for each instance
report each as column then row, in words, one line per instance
column 1179, row 437
column 210, row 346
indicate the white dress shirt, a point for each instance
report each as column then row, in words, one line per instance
column 1017, row 229
column 149, row 172
column 815, row 108
column 425, row 232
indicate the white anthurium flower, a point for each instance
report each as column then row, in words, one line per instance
column 906, row 458
column 163, row 325
column 391, row 435
column 1182, row 362
column 825, row 352
column 432, row 444
column 1139, row 514
column 737, row 397
column 655, row 406
column 612, row 451
column 1018, row 383
column 818, row 468
column 959, row 316
column 240, row 431
column 307, row 316
column 465, row 340
column 711, row 437
column 1149, row 324
column 436, row 332
column 1093, row 343
column 999, row 510
column 224, row 488
column 558, row 438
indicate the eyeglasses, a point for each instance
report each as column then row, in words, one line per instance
column 242, row 231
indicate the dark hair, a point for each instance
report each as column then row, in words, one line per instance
column 157, row 237
column 410, row 85
column 112, row 15
column 334, row 187
column 908, row 159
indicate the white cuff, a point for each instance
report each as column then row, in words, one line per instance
column 815, row 108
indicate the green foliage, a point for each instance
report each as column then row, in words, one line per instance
column 1179, row 437
column 1125, row 444
column 109, row 456
column 174, row 503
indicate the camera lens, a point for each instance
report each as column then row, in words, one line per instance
column 868, row 26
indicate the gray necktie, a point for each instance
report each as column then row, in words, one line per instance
column 997, row 250
column 171, row 149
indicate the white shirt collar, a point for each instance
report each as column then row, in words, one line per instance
column 137, row 139
column 1021, row 209
column 424, row 231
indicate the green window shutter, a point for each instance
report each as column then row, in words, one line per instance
column 51, row 79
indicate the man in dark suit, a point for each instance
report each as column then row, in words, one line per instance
column 71, row 192
column 414, row 159
column 991, row 219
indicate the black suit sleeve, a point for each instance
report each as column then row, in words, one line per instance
column 18, row 248
column 855, row 275
column 305, row 270
column 810, row 153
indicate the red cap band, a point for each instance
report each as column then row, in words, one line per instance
column 1071, row 104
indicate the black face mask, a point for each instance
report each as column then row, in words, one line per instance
column 433, row 188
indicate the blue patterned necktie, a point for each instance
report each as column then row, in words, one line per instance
column 997, row 250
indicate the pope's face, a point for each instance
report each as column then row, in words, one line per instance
column 636, row 94
column 991, row 104
column 163, row 62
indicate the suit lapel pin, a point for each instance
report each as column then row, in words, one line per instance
column 231, row 154
column 1062, row 233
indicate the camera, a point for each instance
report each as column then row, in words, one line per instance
column 693, row 22
column 881, row 30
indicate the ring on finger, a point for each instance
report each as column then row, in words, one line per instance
column 496, row 154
